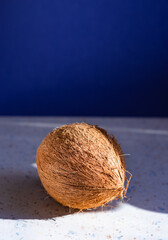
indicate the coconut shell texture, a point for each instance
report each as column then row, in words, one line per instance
column 81, row 166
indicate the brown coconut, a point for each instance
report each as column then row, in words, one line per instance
column 81, row 166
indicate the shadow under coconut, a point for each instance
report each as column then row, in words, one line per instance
column 23, row 197
column 148, row 164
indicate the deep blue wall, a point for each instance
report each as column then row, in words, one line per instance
column 84, row 57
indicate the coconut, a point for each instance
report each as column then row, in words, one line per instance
column 81, row 166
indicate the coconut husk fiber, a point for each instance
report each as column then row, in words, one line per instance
column 81, row 166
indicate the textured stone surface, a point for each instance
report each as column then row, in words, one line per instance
column 26, row 211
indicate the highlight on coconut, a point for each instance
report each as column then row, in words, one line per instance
column 81, row 166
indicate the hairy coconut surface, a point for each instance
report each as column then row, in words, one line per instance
column 81, row 166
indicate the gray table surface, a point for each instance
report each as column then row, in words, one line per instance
column 26, row 211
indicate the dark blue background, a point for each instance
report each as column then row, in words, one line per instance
column 77, row 57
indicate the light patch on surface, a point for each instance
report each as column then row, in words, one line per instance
column 137, row 130
column 39, row 124
column 34, row 165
